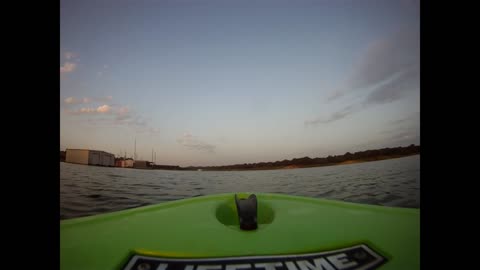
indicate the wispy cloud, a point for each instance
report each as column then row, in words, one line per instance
column 395, row 89
column 89, row 110
column 409, row 134
column 192, row 142
column 70, row 55
column 86, row 100
column 104, row 109
column 405, row 137
column 335, row 95
column 123, row 113
column 111, row 119
column 385, row 57
column 135, row 121
column 103, row 99
column 405, row 130
column 413, row 117
column 149, row 130
column 389, row 69
column 335, row 116
column 71, row 100
column 103, row 71
column 68, row 67
column 108, row 114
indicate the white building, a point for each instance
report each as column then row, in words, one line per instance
column 89, row 157
column 124, row 163
column 128, row 163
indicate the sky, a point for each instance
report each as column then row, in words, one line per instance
column 205, row 83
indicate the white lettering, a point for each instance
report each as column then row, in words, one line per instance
column 320, row 264
column 189, row 267
column 291, row 266
column 238, row 266
column 162, row 266
column 209, row 267
column 341, row 261
column 268, row 266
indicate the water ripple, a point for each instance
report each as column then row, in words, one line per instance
column 87, row 190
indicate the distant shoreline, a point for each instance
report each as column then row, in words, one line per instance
column 305, row 162
column 290, row 167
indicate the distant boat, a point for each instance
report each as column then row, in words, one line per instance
column 199, row 170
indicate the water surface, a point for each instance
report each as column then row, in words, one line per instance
column 88, row 190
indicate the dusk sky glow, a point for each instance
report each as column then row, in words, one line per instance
column 228, row 82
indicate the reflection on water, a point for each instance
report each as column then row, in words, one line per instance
column 88, row 190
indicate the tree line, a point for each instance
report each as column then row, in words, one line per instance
column 368, row 155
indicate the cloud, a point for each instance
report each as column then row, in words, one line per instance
column 136, row 121
column 105, row 99
column 139, row 124
column 71, row 100
column 70, row 55
column 104, row 109
column 405, row 130
column 123, row 113
column 192, row 142
column 395, row 89
column 68, row 67
column 389, row 69
column 121, row 117
column 123, row 109
column 98, row 99
column 149, row 130
column 335, row 95
column 89, row 110
column 335, row 116
column 86, row 100
column 385, row 57
column 102, row 71
column 412, row 117
column 111, row 119
column 405, row 137
column 108, row 114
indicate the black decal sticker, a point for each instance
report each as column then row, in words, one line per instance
column 355, row 257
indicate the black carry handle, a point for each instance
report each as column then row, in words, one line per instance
column 247, row 212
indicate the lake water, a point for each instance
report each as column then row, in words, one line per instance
column 88, row 190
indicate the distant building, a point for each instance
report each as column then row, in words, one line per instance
column 166, row 167
column 124, row 163
column 119, row 163
column 141, row 164
column 128, row 163
column 89, row 157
